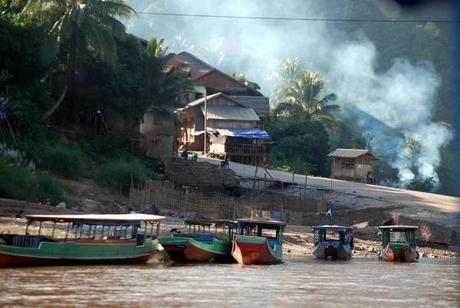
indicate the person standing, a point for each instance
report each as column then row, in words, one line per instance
column 370, row 177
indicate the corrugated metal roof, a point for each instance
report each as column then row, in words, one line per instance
column 209, row 98
column 259, row 103
column 350, row 153
column 224, row 112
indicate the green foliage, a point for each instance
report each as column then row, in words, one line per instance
column 297, row 93
column 49, row 188
column 120, row 174
column 298, row 145
column 422, row 185
column 109, row 146
column 63, row 159
column 18, row 182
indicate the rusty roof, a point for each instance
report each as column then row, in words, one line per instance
column 260, row 104
column 198, row 67
column 225, row 112
column 351, row 153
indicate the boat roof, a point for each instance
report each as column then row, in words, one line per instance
column 398, row 227
column 208, row 221
column 332, row 227
column 96, row 217
column 261, row 221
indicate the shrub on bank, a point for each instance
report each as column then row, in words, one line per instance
column 19, row 182
column 49, row 188
column 63, row 159
column 119, row 174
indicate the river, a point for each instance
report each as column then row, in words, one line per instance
column 296, row 282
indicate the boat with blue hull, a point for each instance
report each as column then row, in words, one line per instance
column 333, row 242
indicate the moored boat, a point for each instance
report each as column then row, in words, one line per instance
column 198, row 230
column 67, row 239
column 218, row 250
column 332, row 241
column 258, row 241
column 399, row 243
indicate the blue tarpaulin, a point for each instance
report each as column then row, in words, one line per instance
column 245, row 133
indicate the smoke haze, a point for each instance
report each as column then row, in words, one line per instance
column 402, row 97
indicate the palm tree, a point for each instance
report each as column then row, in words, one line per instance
column 288, row 70
column 300, row 96
column 166, row 82
column 78, row 24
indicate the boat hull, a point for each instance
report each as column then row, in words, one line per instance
column 217, row 250
column 335, row 252
column 255, row 250
column 175, row 248
column 61, row 253
column 401, row 253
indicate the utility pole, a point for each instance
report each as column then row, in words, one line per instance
column 205, row 135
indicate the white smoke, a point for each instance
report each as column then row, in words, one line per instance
column 401, row 97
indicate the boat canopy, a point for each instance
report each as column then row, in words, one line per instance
column 332, row 227
column 87, row 218
column 262, row 222
column 398, row 228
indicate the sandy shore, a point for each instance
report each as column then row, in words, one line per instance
column 298, row 240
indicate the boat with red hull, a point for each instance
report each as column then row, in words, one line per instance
column 258, row 241
column 76, row 239
column 399, row 243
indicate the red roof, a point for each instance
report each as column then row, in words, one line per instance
column 198, row 67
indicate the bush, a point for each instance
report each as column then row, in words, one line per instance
column 64, row 159
column 49, row 188
column 118, row 174
column 110, row 146
column 18, row 182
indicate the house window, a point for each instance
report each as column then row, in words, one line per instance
column 347, row 164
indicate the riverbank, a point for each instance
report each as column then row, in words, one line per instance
column 298, row 240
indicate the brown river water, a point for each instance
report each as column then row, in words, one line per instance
column 361, row 282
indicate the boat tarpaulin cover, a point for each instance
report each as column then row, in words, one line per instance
column 244, row 133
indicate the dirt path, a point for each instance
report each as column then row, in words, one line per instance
column 382, row 193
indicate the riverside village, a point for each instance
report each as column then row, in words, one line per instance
column 277, row 153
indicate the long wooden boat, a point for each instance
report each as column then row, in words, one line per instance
column 258, row 241
column 67, row 239
column 198, row 229
column 218, row 250
column 176, row 244
column 399, row 243
column 332, row 241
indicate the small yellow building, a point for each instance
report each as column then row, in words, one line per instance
column 351, row 164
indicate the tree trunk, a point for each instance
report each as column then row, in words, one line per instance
column 56, row 105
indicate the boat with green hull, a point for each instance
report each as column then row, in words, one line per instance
column 218, row 250
column 204, row 240
column 67, row 239
column 399, row 243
